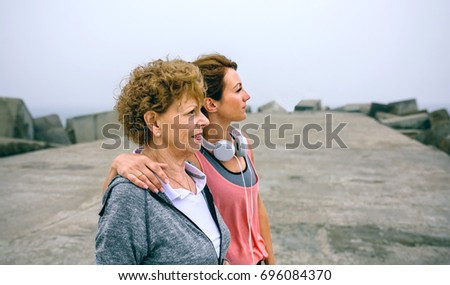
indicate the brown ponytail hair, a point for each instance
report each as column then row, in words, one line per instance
column 213, row 68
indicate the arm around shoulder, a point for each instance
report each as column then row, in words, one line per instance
column 139, row 169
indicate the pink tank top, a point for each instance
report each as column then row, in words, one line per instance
column 239, row 209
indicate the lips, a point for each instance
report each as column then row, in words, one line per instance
column 198, row 137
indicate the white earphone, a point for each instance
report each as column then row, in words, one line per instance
column 224, row 150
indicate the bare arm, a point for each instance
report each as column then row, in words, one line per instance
column 111, row 174
column 139, row 169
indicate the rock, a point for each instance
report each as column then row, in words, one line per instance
column 444, row 144
column 50, row 129
column 405, row 107
column 415, row 121
column 377, row 107
column 384, row 116
column 91, row 127
column 412, row 133
column 439, row 133
column 271, row 107
column 439, row 118
column 425, row 137
column 437, row 136
column 308, row 105
column 357, row 108
column 12, row 146
column 15, row 119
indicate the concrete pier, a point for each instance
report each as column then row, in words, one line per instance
column 373, row 196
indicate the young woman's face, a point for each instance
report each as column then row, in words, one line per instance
column 182, row 125
column 234, row 97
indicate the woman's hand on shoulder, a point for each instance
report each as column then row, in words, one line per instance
column 141, row 171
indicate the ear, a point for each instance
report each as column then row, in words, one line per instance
column 151, row 119
column 210, row 105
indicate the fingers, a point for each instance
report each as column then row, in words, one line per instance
column 152, row 170
column 136, row 181
column 158, row 171
column 148, row 178
column 141, row 171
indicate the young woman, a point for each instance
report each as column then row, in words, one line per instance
column 232, row 180
column 160, row 110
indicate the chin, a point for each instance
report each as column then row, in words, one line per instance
column 194, row 146
column 241, row 118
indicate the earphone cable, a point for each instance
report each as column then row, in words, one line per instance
column 249, row 220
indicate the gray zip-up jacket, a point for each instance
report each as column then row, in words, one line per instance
column 139, row 227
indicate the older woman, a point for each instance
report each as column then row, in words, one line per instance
column 159, row 108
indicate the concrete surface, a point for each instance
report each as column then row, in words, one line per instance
column 385, row 199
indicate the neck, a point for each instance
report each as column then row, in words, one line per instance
column 174, row 160
column 217, row 130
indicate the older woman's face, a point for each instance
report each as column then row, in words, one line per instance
column 182, row 125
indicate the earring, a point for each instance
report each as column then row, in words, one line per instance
column 158, row 134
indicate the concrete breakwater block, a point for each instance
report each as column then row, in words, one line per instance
column 416, row 121
column 428, row 128
column 444, row 144
column 12, row 146
column 378, row 107
column 439, row 133
column 355, row 108
column 404, row 107
column 15, row 119
column 308, row 105
column 50, row 129
column 91, row 127
column 384, row 116
column 271, row 107
column 439, row 117
column 399, row 108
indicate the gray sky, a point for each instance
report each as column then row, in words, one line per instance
column 68, row 57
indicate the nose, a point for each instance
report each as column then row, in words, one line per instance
column 202, row 120
column 246, row 96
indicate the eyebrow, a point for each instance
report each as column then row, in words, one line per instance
column 181, row 109
column 237, row 85
column 188, row 107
